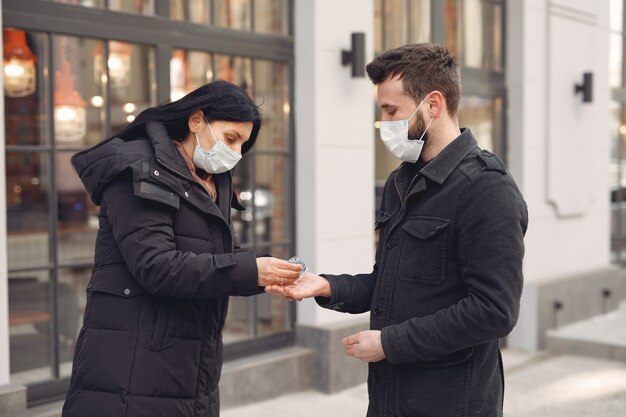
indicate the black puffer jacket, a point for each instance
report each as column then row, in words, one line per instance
column 165, row 264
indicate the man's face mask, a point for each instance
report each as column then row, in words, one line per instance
column 220, row 158
column 395, row 136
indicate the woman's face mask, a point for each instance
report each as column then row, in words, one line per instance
column 395, row 136
column 220, row 158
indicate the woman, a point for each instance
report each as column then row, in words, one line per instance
column 166, row 260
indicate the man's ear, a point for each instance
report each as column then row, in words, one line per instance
column 436, row 104
column 196, row 121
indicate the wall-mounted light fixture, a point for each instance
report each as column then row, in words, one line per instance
column 356, row 55
column 586, row 88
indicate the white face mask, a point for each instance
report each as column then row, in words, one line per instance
column 220, row 158
column 395, row 136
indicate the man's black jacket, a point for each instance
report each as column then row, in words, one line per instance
column 446, row 285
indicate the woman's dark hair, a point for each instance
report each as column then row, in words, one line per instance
column 218, row 100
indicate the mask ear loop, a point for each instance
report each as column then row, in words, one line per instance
column 418, row 107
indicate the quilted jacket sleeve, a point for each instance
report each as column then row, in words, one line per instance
column 143, row 230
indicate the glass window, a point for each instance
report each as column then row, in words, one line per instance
column 64, row 93
column 132, row 6
column 30, row 320
column 195, row 11
column 272, row 92
column 400, row 22
column 188, row 71
column 28, row 209
column 271, row 16
column 617, row 165
column 474, row 32
column 131, row 79
column 25, row 87
column 78, row 92
column 72, row 298
column 484, row 116
column 129, row 6
column 84, row 3
column 233, row 14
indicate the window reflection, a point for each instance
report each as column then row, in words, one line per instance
column 85, row 3
column 30, row 320
column 195, row 11
column 25, row 96
column 483, row 115
column 188, row 71
column 233, row 14
column 129, row 6
column 400, row 22
column 131, row 76
column 474, row 32
column 132, row 6
column 271, row 16
column 72, row 300
column 78, row 97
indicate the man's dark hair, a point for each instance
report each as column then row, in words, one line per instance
column 423, row 67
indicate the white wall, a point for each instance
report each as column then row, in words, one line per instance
column 559, row 244
column 334, row 145
column 559, row 147
column 4, row 298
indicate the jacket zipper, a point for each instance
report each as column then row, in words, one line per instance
column 406, row 195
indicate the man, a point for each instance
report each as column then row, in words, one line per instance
column 447, row 281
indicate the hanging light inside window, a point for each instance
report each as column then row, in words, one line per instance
column 20, row 76
column 70, row 117
column 119, row 63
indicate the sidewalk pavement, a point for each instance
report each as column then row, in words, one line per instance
column 537, row 385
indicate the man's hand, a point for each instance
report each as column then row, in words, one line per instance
column 274, row 271
column 366, row 346
column 309, row 285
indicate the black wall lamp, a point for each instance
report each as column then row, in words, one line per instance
column 356, row 56
column 586, row 88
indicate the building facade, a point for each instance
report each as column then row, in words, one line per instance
column 543, row 84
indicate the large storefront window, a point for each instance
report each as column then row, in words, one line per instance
column 64, row 93
column 473, row 31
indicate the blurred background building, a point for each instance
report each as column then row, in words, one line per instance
column 544, row 87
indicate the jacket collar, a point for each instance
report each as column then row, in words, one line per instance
column 165, row 150
column 442, row 165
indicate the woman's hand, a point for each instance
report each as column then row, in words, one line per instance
column 310, row 285
column 274, row 271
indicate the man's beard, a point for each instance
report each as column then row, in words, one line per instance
column 418, row 128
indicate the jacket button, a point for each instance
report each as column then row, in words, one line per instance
column 156, row 173
column 486, row 153
column 186, row 194
column 127, row 291
column 377, row 311
column 391, row 244
column 378, row 379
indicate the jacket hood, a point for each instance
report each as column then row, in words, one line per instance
column 99, row 165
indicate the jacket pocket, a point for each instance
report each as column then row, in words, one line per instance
column 159, row 328
column 423, row 258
